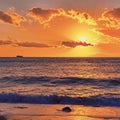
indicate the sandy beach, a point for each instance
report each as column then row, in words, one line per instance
column 53, row 112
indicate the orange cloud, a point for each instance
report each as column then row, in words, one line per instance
column 45, row 16
column 109, row 23
column 11, row 18
column 112, row 33
column 110, row 19
column 110, row 49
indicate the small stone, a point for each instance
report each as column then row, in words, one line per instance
column 66, row 109
column 2, row 118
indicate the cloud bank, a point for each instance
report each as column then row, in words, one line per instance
column 71, row 44
column 45, row 16
column 107, row 23
column 24, row 44
column 32, row 44
column 5, row 42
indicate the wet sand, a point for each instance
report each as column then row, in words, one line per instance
column 53, row 112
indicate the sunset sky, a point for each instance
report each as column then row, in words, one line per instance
column 60, row 28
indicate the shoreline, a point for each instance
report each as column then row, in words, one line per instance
column 53, row 112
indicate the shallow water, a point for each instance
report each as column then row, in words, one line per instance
column 60, row 81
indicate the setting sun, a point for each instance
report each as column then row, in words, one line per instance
column 54, row 30
column 83, row 38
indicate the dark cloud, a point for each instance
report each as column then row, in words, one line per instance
column 24, row 44
column 44, row 15
column 85, row 5
column 32, row 44
column 73, row 44
column 41, row 45
column 5, row 42
column 11, row 18
column 5, row 17
column 115, row 12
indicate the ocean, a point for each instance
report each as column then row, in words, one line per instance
column 74, row 81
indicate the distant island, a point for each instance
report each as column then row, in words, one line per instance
column 19, row 56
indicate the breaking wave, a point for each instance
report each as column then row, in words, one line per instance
column 99, row 100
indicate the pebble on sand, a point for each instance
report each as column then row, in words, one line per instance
column 66, row 109
column 2, row 118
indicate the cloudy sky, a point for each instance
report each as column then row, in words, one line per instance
column 60, row 28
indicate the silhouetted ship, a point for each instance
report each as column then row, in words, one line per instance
column 19, row 56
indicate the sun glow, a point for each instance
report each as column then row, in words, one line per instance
column 83, row 38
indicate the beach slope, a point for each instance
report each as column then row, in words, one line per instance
column 53, row 112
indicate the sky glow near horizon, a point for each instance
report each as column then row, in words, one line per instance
column 62, row 28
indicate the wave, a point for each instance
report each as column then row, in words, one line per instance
column 99, row 100
column 60, row 81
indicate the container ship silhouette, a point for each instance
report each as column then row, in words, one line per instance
column 19, row 56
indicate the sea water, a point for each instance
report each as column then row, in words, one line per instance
column 77, row 81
